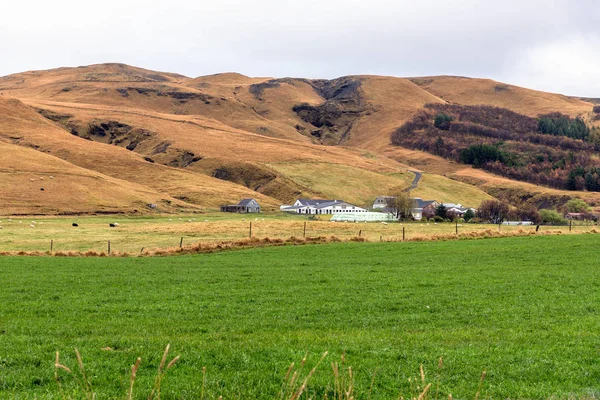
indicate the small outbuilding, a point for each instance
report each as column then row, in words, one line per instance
column 244, row 206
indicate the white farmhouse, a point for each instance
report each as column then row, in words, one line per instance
column 318, row 206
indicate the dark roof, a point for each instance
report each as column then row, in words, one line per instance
column 245, row 202
column 315, row 202
column 420, row 203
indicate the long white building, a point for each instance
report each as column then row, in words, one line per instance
column 309, row 206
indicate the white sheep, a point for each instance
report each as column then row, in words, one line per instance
column 51, row 177
column 32, row 226
column 41, row 178
column 1, row 227
column 116, row 224
column 32, row 180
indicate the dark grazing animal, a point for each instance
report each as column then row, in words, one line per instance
column 74, row 224
column 112, row 225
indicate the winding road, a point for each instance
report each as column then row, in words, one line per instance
column 415, row 181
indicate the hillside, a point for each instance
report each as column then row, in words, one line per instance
column 200, row 142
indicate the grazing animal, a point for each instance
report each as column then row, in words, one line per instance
column 42, row 189
column 1, row 227
column 41, row 178
column 32, row 180
column 51, row 177
column 32, row 226
column 74, row 224
column 112, row 225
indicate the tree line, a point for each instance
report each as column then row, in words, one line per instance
column 553, row 150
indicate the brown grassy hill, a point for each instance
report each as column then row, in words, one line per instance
column 38, row 183
column 471, row 91
column 21, row 125
column 217, row 138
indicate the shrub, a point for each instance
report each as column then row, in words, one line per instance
column 596, row 109
column 442, row 121
column 469, row 215
column 577, row 206
column 552, row 217
column 493, row 211
column 437, row 218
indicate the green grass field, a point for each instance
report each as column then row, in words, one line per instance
column 524, row 309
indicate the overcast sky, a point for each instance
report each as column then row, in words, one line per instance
column 541, row 44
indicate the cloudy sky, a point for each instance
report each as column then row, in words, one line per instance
column 541, row 44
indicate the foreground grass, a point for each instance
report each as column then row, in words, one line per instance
column 523, row 309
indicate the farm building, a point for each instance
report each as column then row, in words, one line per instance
column 308, row 206
column 363, row 217
column 381, row 203
column 420, row 206
column 244, row 206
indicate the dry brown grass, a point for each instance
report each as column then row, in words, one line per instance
column 256, row 242
column 469, row 91
column 233, row 126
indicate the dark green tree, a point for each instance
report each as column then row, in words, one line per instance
column 441, row 211
column 442, row 121
column 468, row 215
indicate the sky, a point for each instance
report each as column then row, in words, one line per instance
column 541, row 44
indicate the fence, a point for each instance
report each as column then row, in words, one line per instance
column 133, row 236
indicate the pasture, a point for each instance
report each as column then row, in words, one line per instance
column 524, row 309
column 135, row 233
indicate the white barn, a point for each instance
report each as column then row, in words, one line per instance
column 308, row 206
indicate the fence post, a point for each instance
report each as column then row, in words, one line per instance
column 499, row 225
column 250, row 229
column 304, row 229
column 181, row 243
column 359, row 232
column 570, row 224
column 51, row 245
column 457, row 227
column 403, row 236
column 109, row 247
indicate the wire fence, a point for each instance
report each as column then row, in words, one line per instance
column 137, row 236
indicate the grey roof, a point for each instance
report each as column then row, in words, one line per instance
column 245, row 202
column 314, row 202
column 420, row 203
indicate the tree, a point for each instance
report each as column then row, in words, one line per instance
column 577, row 206
column 469, row 214
column 401, row 205
column 442, row 121
column 441, row 211
column 552, row 217
column 438, row 146
column 530, row 214
column 493, row 211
